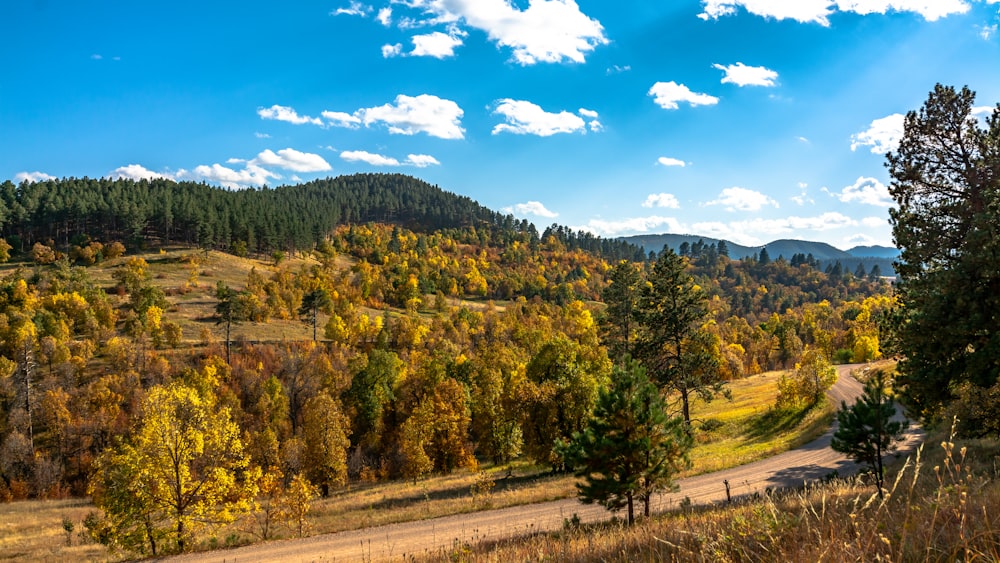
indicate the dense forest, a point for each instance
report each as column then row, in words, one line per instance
column 258, row 221
column 446, row 335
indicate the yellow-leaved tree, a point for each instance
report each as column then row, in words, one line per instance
column 182, row 470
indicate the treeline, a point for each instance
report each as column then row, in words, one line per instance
column 256, row 221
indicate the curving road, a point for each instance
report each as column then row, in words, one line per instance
column 811, row 462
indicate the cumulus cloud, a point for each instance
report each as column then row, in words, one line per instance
column 743, row 75
column 436, row 44
column 32, row 177
column 353, row 9
column 410, row 115
column 803, row 197
column 384, row 16
column 594, row 124
column 547, row 31
column 251, row 175
column 662, row 200
column 525, row 118
column 667, row 95
column 530, row 208
column 868, row 191
column 389, row 51
column 758, row 231
column 668, row 161
column 417, row 160
column 136, row 172
column 287, row 114
column 422, row 160
column 818, row 11
column 341, row 119
column 369, row 158
column 882, row 135
column 742, row 199
column 291, row 159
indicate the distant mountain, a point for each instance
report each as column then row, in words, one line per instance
column 876, row 251
column 866, row 256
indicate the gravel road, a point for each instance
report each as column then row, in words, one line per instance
column 811, row 462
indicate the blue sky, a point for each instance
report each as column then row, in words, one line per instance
column 750, row 120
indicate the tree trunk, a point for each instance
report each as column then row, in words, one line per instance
column 631, row 515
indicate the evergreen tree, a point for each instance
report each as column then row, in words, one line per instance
column 630, row 449
column 672, row 343
column 866, row 430
column 620, row 318
column 946, row 183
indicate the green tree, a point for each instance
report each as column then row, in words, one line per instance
column 673, row 344
column 312, row 303
column 620, row 318
column 179, row 472
column 866, row 430
column 630, row 449
column 231, row 309
column 946, row 184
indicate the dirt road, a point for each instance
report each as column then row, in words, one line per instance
column 813, row 461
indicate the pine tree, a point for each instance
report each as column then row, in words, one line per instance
column 866, row 430
column 630, row 449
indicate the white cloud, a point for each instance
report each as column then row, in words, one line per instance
column 438, row 45
column 982, row 112
column 987, row 31
column 384, row 16
column 525, row 118
column 252, row 175
column 743, row 75
column 802, row 140
column 755, row 231
column 875, row 222
column 742, row 199
column 616, row 69
column 260, row 135
column 632, row 225
column 818, row 11
column 291, row 159
column 417, row 160
column 341, row 119
column 530, row 208
column 548, row 31
column 868, row 191
column 354, row 9
column 32, row 177
column 882, row 135
column 389, row 51
column 803, row 197
column 668, row 161
column 136, row 172
column 594, row 124
column 422, row 160
column 410, row 115
column 668, row 94
column 369, row 158
column 285, row 113
column 662, row 200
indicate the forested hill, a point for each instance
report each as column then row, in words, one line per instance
column 257, row 220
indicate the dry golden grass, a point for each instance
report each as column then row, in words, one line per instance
column 942, row 507
column 34, row 531
column 749, row 428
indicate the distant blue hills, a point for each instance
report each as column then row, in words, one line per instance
column 826, row 254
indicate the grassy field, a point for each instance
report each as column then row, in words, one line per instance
column 746, row 429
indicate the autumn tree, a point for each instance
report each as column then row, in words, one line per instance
column 630, row 449
column 867, row 430
column 673, row 344
column 179, row 472
column 810, row 379
column 946, row 185
column 325, row 434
